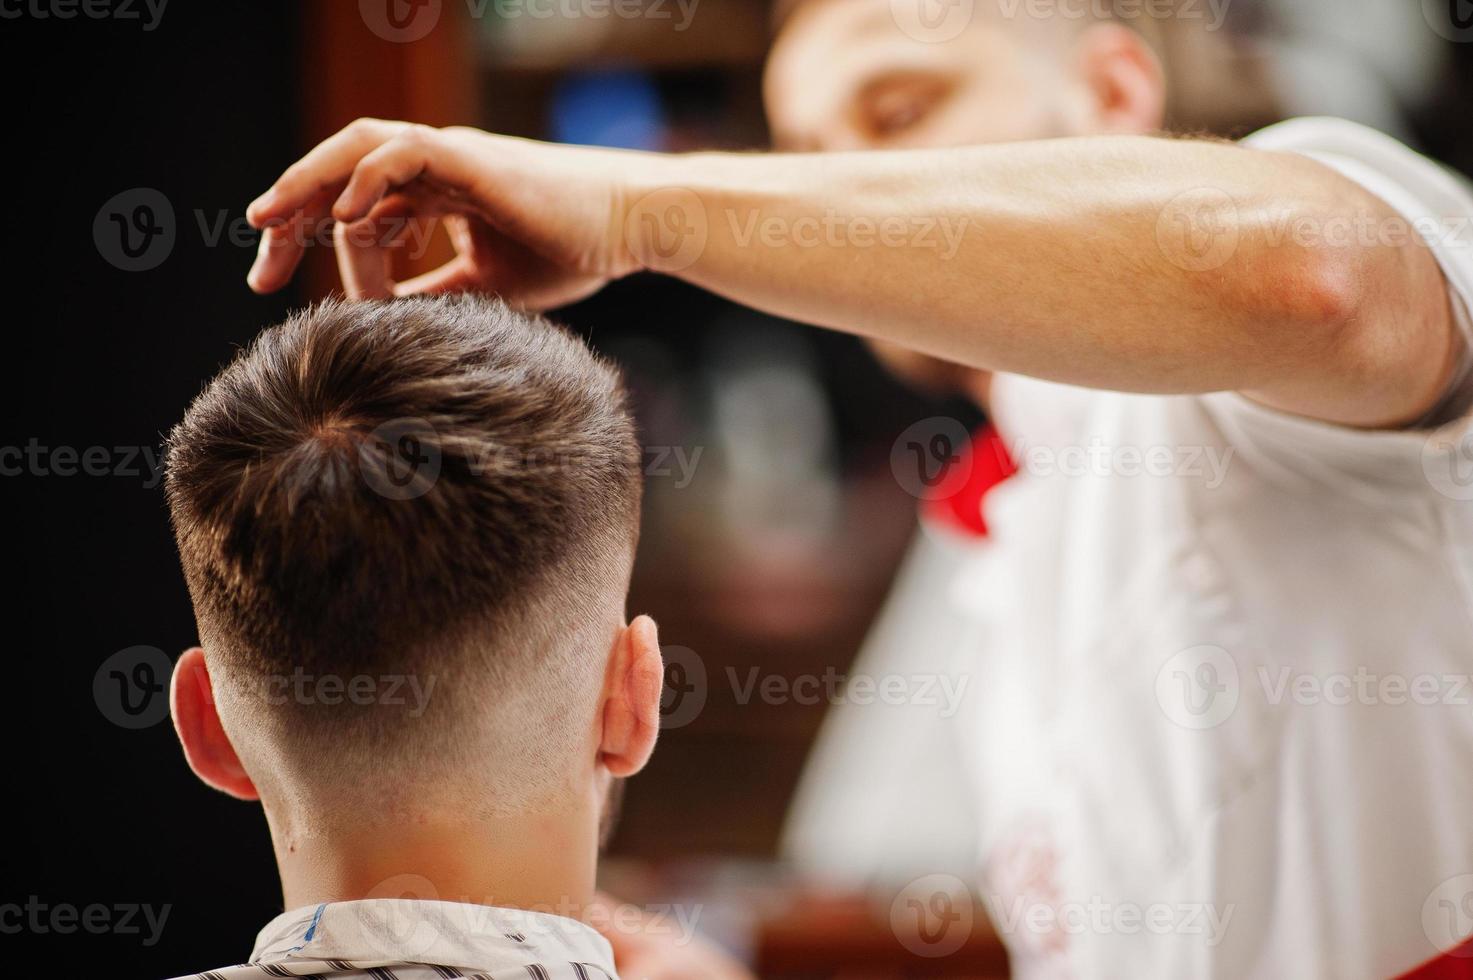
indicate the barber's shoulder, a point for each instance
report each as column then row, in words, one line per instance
column 1334, row 137
column 1326, row 133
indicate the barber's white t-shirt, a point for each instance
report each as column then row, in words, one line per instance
column 1222, row 724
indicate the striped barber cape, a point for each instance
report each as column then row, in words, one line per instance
column 411, row 939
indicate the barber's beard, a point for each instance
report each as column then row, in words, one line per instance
column 609, row 818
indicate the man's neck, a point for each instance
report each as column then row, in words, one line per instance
column 534, row 861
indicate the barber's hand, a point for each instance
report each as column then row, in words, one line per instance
column 539, row 223
column 648, row 947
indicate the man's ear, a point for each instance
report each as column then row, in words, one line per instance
column 631, row 706
column 206, row 746
column 1123, row 79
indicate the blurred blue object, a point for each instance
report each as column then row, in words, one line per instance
column 620, row 108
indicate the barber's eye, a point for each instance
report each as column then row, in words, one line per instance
column 892, row 106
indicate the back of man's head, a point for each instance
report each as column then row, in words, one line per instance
column 407, row 529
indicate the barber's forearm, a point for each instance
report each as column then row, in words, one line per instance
column 1129, row 263
column 1066, row 259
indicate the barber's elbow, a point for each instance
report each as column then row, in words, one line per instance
column 1312, row 295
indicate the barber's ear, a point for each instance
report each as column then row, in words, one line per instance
column 631, row 711
column 1123, row 78
column 206, row 746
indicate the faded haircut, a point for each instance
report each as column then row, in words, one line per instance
column 440, row 490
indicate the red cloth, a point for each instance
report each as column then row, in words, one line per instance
column 1455, row 964
column 988, row 465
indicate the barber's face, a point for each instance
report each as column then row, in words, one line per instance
column 843, row 75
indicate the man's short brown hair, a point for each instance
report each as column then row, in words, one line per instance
column 443, row 486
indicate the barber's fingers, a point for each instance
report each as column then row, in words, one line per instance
column 282, row 243
column 513, row 274
column 326, row 166
column 398, row 223
column 439, row 156
column 466, row 271
column 365, row 249
column 293, row 208
column 363, row 263
column 487, row 260
column 458, row 275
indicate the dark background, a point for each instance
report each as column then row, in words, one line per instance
column 203, row 108
column 208, row 108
